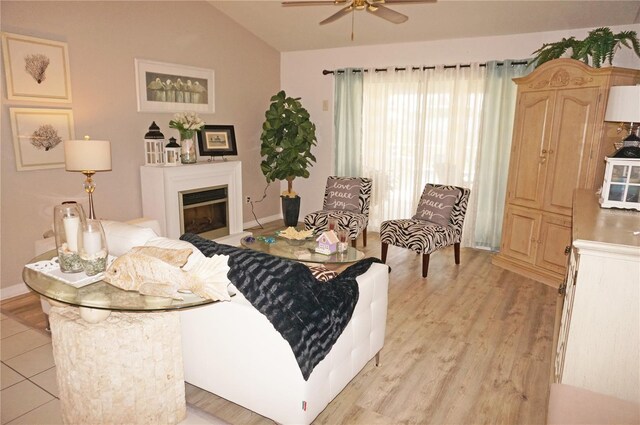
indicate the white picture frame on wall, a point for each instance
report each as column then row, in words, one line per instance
column 166, row 87
column 36, row 69
column 38, row 136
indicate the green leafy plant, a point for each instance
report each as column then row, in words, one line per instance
column 598, row 47
column 287, row 138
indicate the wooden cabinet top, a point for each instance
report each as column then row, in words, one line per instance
column 571, row 73
column 612, row 228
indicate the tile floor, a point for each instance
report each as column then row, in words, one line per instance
column 27, row 376
column 28, row 389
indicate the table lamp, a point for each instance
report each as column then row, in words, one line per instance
column 624, row 107
column 88, row 156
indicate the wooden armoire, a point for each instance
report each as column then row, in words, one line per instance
column 559, row 143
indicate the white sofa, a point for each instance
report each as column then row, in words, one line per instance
column 232, row 350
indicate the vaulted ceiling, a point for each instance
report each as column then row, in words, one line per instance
column 297, row 28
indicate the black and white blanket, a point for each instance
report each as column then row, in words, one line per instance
column 309, row 314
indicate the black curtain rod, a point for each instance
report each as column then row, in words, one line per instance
column 416, row 68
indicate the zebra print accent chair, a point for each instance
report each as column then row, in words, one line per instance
column 354, row 221
column 423, row 236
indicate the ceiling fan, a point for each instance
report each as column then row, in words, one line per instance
column 375, row 7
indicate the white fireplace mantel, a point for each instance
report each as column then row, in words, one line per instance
column 161, row 187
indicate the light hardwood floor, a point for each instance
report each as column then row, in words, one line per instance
column 470, row 344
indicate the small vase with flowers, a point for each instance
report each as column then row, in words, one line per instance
column 187, row 124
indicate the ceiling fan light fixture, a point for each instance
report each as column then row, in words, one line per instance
column 359, row 4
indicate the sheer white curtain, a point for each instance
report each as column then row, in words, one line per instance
column 495, row 146
column 420, row 126
column 348, row 122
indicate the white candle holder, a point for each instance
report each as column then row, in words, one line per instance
column 172, row 153
column 92, row 247
column 67, row 221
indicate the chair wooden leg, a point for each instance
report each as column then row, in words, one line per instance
column 456, row 252
column 383, row 254
column 353, row 242
column 425, row 264
column 364, row 237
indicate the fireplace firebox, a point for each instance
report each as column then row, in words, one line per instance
column 205, row 211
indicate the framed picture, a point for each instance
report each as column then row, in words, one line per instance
column 217, row 140
column 36, row 69
column 166, row 87
column 38, row 136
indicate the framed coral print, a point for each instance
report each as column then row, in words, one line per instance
column 38, row 135
column 217, row 140
column 166, row 87
column 36, row 69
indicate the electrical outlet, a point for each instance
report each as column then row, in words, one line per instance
column 248, row 199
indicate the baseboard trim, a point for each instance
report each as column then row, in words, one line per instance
column 254, row 223
column 547, row 278
column 13, row 291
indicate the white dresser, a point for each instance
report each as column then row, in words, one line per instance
column 599, row 341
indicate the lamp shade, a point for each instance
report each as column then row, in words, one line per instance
column 623, row 104
column 87, row 155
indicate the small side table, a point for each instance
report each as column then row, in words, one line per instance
column 123, row 367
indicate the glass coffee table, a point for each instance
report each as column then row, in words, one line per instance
column 303, row 251
column 101, row 295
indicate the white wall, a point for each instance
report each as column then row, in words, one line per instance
column 301, row 74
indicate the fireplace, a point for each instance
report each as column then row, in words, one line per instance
column 164, row 190
column 204, row 212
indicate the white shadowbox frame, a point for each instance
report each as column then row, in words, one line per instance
column 38, row 136
column 36, row 69
column 166, row 87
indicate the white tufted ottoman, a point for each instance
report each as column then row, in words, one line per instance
column 125, row 369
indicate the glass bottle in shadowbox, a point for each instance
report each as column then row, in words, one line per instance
column 187, row 124
column 92, row 247
column 67, row 221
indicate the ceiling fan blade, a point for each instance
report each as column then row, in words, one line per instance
column 338, row 15
column 388, row 14
column 313, row 3
column 388, row 2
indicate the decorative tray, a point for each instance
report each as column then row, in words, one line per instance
column 295, row 237
column 51, row 268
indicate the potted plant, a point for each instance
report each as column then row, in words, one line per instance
column 287, row 137
column 600, row 45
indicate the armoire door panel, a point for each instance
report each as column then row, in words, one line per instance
column 521, row 238
column 531, row 137
column 570, row 147
column 555, row 237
